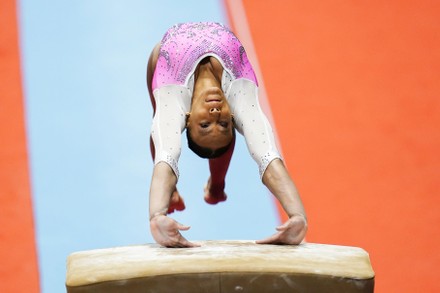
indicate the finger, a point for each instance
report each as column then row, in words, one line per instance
column 275, row 238
column 286, row 225
column 269, row 240
column 263, row 241
column 183, row 242
column 186, row 243
column 176, row 241
column 179, row 241
column 282, row 228
column 293, row 228
column 183, row 227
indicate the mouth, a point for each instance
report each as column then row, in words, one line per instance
column 214, row 99
column 213, row 95
column 214, row 103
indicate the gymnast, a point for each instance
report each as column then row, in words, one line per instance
column 199, row 79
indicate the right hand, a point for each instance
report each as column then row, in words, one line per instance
column 166, row 232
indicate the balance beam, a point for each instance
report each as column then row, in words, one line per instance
column 221, row 266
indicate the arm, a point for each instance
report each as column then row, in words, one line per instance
column 164, row 229
column 176, row 200
column 165, row 150
column 162, row 186
column 165, row 139
column 255, row 127
column 277, row 180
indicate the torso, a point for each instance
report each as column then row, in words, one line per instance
column 185, row 46
column 209, row 63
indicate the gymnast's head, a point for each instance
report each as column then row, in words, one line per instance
column 210, row 124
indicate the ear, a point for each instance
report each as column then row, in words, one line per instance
column 187, row 118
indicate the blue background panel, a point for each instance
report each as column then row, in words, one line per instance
column 88, row 123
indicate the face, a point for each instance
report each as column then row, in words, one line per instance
column 210, row 119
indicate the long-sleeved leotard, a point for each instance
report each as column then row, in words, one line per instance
column 181, row 49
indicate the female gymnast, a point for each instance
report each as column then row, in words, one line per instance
column 199, row 79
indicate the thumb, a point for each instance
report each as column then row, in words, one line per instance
column 283, row 227
column 183, row 227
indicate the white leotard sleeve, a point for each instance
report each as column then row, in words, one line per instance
column 172, row 103
column 251, row 122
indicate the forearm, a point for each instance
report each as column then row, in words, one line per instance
column 163, row 184
column 278, row 181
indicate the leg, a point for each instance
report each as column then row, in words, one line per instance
column 218, row 167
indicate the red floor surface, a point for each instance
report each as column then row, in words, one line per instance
column 354, row 92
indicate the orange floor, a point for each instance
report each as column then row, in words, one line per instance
column 19, row 268
column 354, row 91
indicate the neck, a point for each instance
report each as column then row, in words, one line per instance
column 206, row 76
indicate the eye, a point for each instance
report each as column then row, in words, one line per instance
column 204, row 124
column 224, row 124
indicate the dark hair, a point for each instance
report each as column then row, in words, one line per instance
column 207, row 153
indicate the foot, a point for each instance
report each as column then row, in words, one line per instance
column 176, row 203
column 214, row 194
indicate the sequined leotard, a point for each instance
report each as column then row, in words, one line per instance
column 182, row 48
column 184, row 45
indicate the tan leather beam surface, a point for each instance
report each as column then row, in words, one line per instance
column 221, row 266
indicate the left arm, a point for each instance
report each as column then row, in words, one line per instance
column 260, row 139
column 278, row 181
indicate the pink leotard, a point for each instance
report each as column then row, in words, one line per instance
column 181, row 50
column 184, row 45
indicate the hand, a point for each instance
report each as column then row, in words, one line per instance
column 291, row 232
column 166, row 232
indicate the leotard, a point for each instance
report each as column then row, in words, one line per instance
column 182, row 48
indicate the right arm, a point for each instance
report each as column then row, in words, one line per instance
column 164, row 229
column 162, row 186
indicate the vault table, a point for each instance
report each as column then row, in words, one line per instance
column 221, row 266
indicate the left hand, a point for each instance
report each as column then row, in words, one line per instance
column 292, row 231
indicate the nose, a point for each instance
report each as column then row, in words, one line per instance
column 214, row 110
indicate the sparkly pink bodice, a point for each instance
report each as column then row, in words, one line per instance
column 184, row 45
